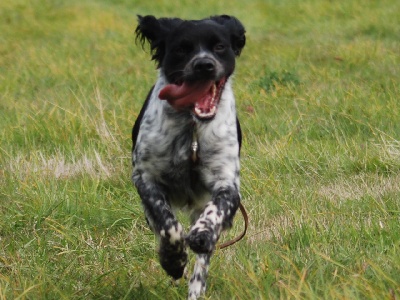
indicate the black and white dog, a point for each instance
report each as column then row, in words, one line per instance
column 187, row 138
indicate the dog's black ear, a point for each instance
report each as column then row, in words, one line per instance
column 236, row 29
column 155, row 32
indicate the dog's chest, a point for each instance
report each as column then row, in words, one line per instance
column 164, row 154
column 163, row 147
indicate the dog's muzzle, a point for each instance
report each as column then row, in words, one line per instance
column 202, row 97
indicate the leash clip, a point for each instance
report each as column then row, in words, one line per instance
column 195, row 145
column 194, row 148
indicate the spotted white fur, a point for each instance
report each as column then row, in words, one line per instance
column 175, row 233
column 197, row 283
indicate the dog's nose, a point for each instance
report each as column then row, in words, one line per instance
column 204, row 65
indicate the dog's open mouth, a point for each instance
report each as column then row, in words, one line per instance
column 201, row 96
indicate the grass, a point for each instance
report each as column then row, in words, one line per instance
column 318, row 96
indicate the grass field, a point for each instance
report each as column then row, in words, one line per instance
column 318, row 94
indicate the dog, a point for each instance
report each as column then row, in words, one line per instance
column 187, row 138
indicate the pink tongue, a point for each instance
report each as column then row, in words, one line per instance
column 181, row 96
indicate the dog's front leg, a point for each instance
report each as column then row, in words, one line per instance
column 172, row 251
column 217, row 215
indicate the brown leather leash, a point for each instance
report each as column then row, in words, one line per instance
column 238, row 238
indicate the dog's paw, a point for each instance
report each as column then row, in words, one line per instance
column 201, row 241
column 173, row 258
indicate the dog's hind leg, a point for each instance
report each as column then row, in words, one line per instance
column 172, row 251
column 197, row 283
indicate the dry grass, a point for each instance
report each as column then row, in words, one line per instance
column 361, row 186
column 58, row 166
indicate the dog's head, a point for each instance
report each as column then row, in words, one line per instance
column 196, row 57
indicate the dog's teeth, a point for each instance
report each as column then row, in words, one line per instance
column 206, row 115
column 214, row 92
column 212, row 107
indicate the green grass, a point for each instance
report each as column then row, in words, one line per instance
column 318, row 92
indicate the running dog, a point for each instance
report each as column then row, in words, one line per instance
column 187, row 138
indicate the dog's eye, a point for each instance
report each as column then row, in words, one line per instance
column 180, row 51
column 219, row 48
column 183, row 48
